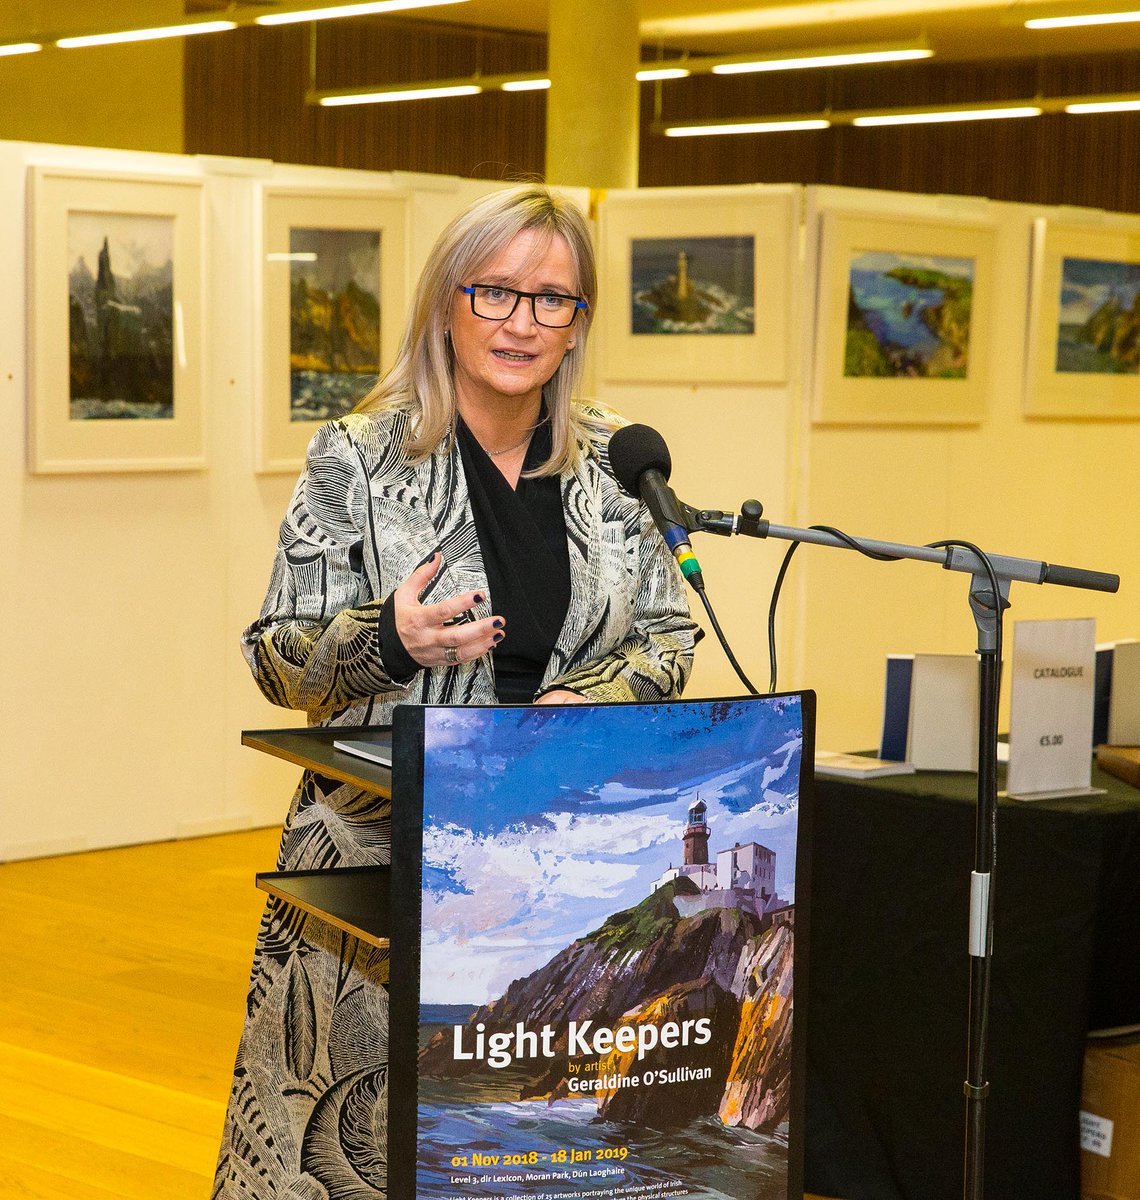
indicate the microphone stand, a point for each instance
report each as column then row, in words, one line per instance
column 987, row 608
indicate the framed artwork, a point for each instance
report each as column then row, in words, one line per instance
column 1083, row 351
column 902, row 321
column 599, row 929
column 695, row 284
column 334, row 276
column 115, row 323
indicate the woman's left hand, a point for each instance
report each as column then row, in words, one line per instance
column 561, row 696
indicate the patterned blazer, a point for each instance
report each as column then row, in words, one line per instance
column 362, row 518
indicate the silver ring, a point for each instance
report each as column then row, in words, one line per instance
column 450, row 655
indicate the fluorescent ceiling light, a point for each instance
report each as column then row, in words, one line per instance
column 833, row 13
column 946, row 114
column 425, row 93
column 349, row 10
column 745, row 127
column 1116, row 18
column 145, row 35
column 295, row 256
column 20, row 48
column 526, row 85
column 651, row 73
column 805, row 61
column 1104, row 106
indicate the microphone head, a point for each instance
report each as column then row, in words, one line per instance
column 635, row 449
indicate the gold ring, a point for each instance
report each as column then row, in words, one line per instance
column 450, row 655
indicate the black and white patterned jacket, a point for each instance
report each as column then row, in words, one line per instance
column 362, row 518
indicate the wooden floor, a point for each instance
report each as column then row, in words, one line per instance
column 120, row 1009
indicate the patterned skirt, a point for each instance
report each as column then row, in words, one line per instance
column 307, row 1116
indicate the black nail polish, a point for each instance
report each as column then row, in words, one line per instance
column 497, row 638
column 478, row 598
column 497, row 623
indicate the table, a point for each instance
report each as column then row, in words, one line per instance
column 888, row 982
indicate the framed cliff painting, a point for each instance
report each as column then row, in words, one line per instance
column 903, row 314
column 599, row 927
column 334, row 275
column 115, row 322
column 1083, row 351
column 696, row 284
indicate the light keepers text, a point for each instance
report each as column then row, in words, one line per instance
column 502, row 1049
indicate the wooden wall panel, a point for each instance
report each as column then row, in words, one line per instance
column 245, row 96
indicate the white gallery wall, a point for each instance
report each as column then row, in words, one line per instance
column 124, row 693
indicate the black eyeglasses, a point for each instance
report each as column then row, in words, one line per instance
column 494, row 303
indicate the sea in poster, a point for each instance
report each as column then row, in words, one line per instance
column 694, row 285
column 334, row 320
column 1098, row 331
column 121, row 316
column 908, row 316
column 599, row 1015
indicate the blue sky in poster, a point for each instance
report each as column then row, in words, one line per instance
column 541, row 822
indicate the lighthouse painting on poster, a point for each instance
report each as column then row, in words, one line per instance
column 607, row 935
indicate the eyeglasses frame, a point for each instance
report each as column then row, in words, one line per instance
column 469, row 291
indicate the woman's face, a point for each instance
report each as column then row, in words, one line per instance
column 509, row 361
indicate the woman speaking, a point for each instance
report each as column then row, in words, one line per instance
column 458, row 539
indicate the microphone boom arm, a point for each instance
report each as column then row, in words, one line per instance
column 749, row 522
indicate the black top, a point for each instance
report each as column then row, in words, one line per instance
column 522, row 534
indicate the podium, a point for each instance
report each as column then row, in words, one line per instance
column 595, row 916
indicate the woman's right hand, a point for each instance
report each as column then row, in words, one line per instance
column 424, row 630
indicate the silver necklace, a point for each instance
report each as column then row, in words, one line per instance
column 508, row 449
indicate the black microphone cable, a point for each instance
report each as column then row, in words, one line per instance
column 854, row 544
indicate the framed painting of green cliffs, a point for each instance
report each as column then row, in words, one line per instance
column 1083, row 353
column 333, row 281
column 902, row 321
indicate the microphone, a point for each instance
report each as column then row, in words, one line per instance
column 641, row 463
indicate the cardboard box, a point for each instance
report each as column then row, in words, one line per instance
column 1110, row 1119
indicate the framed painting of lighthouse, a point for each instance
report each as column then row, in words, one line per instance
column 599, row 930
column 696, row 284
column 115, row 322
column 1083, row 352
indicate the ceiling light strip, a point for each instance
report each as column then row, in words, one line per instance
column 809, row 61
column 19, row 48
column 649, row 74
column 145, row 35
column 372, row 8
column 941, row 115
column 1112, row 18
column 395, row 95
column 790, row 126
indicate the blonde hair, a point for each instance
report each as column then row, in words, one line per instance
column 420, row 382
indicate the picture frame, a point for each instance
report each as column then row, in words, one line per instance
column 903, row 320
column 1082, row 356
column 115, row 343
column 696, row 284
column 333, row 269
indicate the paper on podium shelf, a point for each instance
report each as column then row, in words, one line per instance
column 1051, row 708
column 943, row 730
